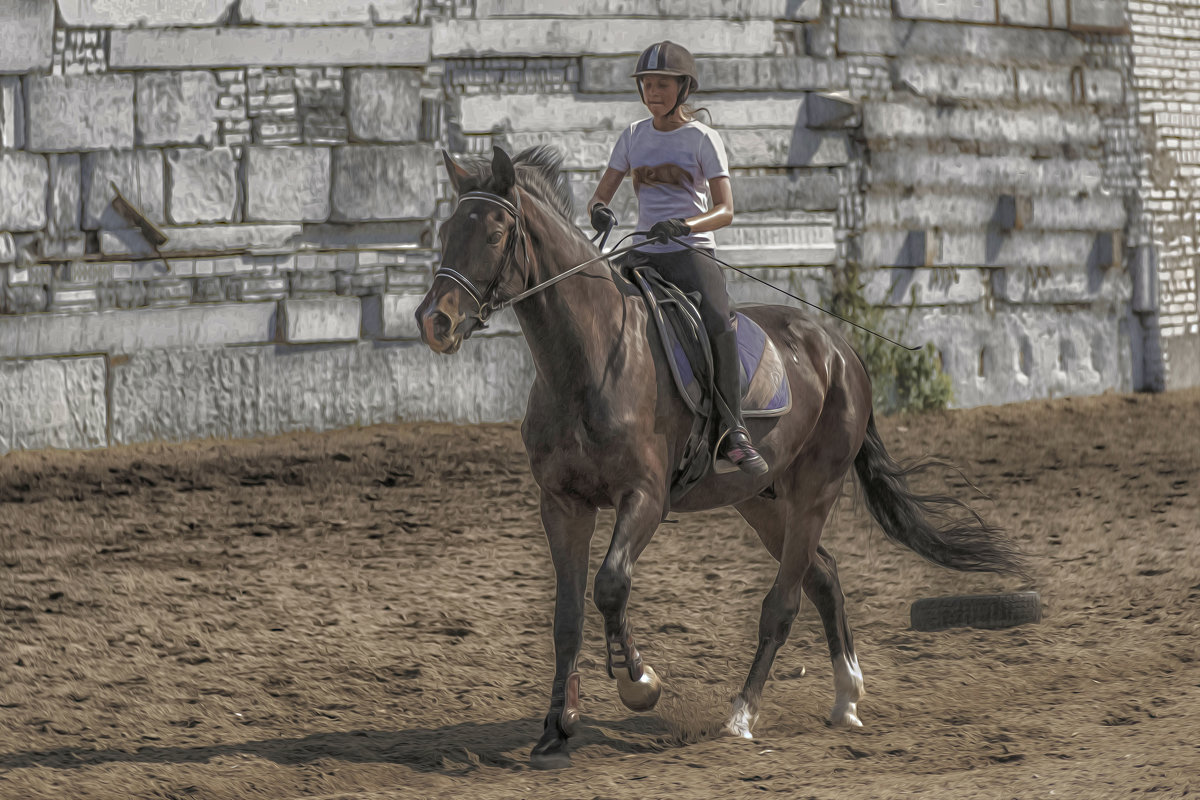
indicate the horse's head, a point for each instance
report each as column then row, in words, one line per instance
column 481, row 250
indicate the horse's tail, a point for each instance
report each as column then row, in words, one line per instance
column 926, row 523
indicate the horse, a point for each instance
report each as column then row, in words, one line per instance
column 605, row 426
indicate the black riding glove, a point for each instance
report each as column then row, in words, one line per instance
column 663, row 231
column 603, row 218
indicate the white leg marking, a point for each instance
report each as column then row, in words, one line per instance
column 741, row 720
column 848, row 686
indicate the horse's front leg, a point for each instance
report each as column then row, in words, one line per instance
column 638, row 516
column 569, row 528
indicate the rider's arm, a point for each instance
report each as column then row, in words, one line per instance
column 609, row 183
column 721, row 213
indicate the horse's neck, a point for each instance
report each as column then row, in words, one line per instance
column 573, row 326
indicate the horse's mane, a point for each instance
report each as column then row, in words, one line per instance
column 539, row 171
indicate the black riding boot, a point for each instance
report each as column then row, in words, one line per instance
column 736, row 447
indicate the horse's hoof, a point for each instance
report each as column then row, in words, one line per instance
column 845, row 718
column 641, row 695
column 736, row 731
column 740, row 721
column 558, row 759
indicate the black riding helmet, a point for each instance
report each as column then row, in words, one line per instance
column 668, row 58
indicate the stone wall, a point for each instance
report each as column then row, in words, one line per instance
column 984, row 162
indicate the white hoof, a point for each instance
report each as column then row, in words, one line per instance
column 740, row 721
column 845, row 716
column 848, row 687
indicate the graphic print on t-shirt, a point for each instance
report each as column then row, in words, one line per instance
column 668, row 174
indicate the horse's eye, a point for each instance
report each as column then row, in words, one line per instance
column 495, row 238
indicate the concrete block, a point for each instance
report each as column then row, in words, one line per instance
column 904, row 287
column 65, row 205
column 384, row 105
column 1104, row 87
column 1024, row 354
column 950, row 10
column 458, row 38
column 795, row 10
column 328, row 319
column 537, row 112
column 177, row 108
column 24, row 183
column 1070, row 212
column 783, row 148
column 1043, row 286
column 220, row 48
column 380, row 182
column 258, row 238
column 287, row 184
column 811, row 283
column 810, row 190
column 1099, row 16
column 260, row 391
column 1045, row 86
column 939, row 80
column 201, row 185
column 8, row 249
column 53, row 403
column 1029, row 13
column 829, row 109
column 327, row 12
column 778, row 255
column 1182, row 355
column 973, row 42
column 995, row 173
column 1016, row 249
column 26, row 35
column 891, row 121
column 82, row 112
column 392, row 316
column 12, row 113
column 140, row 13
column 610, row 74
column 139, row 176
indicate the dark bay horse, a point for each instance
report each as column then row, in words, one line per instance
column 605, row 427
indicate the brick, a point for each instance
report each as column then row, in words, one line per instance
column 52, row 403
column 92, row 112
column 327, row 12
column 12, row 113
column 177, row 108
column 26, row 35
column 24, row 183
column 610, row 74
column 936, row 80
column 327, row 319
column 802, row 11
column 382, row 182
column 1045, row 86
column 201, row 185
column 287, row 184
column 139, row 176
column 457, row 38
column 1101, row 16
column 384, row 105
column 220, row 48
column 951, row 10
column 1103, row 87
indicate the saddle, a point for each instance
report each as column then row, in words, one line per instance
column 765, row 388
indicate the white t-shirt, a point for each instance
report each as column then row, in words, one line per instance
column 671, row 171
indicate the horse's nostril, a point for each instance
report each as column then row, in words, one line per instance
column 441, row 324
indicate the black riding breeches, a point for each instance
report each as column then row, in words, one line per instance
column 693, row 272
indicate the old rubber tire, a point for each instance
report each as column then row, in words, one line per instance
column 976, row 611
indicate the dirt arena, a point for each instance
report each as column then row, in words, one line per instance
column 367, row 614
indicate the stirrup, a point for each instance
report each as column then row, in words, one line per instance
column 750, row 461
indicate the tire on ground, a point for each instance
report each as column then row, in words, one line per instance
column 976, row 611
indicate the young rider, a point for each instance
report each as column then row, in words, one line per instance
column 681, row 178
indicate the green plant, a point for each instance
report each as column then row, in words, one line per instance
column 901, row 380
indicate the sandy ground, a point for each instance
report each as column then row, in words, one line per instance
column 367, row 614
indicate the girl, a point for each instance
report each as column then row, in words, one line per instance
column 681, row 178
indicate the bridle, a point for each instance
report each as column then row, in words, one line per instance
column 484, row 308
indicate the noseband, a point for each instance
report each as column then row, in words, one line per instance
column 483, row 305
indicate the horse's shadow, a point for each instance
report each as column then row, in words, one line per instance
column 450, row 749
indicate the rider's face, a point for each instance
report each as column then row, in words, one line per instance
column 660, row 93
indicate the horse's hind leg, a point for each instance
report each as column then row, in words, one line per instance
column 790, row 528
column 822, row 586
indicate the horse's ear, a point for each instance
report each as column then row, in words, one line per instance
column 457, row 173
column 504, row 174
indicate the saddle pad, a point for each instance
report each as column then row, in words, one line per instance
column 765, row 388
